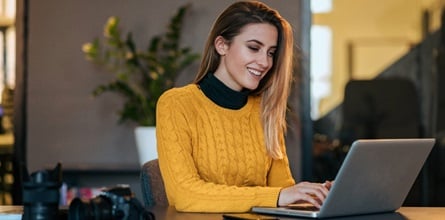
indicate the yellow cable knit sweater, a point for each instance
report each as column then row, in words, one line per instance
column 213, row 159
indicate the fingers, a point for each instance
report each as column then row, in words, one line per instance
column 328, row 184
column 313, row 193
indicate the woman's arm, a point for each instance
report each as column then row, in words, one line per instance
column 280, row 175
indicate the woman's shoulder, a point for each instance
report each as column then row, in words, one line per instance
column 180, row 94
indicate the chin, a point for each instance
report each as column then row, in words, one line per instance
column 251, row 88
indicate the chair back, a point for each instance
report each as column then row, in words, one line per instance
column 380, row 108
column 152, row 185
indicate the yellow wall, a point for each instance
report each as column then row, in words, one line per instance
column 381, row 32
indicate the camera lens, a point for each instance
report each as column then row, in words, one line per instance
column 41, row 196
column 96, row 209
column 41, row 211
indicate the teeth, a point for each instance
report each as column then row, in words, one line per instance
column 254, row 72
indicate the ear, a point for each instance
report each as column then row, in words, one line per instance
column 220, row 45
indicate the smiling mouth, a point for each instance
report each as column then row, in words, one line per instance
column 254, row 72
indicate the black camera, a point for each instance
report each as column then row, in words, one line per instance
column 41, row 194
column 116, row 203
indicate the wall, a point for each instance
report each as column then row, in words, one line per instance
column 64, row 123
column 380, row 33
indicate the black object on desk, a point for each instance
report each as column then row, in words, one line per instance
column 247, row 216
column 113, row 203
column 41, row 194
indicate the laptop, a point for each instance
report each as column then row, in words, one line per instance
column 375, row 177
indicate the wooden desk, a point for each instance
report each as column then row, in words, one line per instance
column 169, row 213
column 404, row 213
column 430, row 213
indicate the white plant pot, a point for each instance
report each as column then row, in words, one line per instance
column 146, row 143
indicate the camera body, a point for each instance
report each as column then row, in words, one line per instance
column 120, row 198
column 116, row 203
column 41, row 196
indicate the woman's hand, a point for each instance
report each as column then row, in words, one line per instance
column 313, row 193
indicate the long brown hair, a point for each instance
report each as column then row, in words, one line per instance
column 274, row 88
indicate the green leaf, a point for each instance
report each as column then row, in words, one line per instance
column 141, row 75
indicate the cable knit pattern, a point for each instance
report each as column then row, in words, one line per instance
column 213, row 159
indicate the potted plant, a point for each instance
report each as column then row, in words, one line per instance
column 141, row 76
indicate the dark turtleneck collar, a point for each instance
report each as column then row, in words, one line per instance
column 222, row 95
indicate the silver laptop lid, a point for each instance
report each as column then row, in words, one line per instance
column 376, row 176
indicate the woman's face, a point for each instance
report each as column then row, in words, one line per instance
column 248, row 57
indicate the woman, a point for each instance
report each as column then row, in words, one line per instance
column 221, row 139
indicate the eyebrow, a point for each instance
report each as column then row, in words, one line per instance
column 260, row 43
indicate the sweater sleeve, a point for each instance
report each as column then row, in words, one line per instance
column 280, row 174
column 185, row 189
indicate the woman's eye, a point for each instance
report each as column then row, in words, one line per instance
column 253, row 48
column 271, row 53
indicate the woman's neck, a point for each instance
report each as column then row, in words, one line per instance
column 222, row 95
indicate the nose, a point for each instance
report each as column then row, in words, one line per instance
column 264, row 60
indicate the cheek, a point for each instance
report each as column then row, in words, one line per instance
column 238, row 59
column 243, row 57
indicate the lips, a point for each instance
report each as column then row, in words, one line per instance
column 254, row 72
